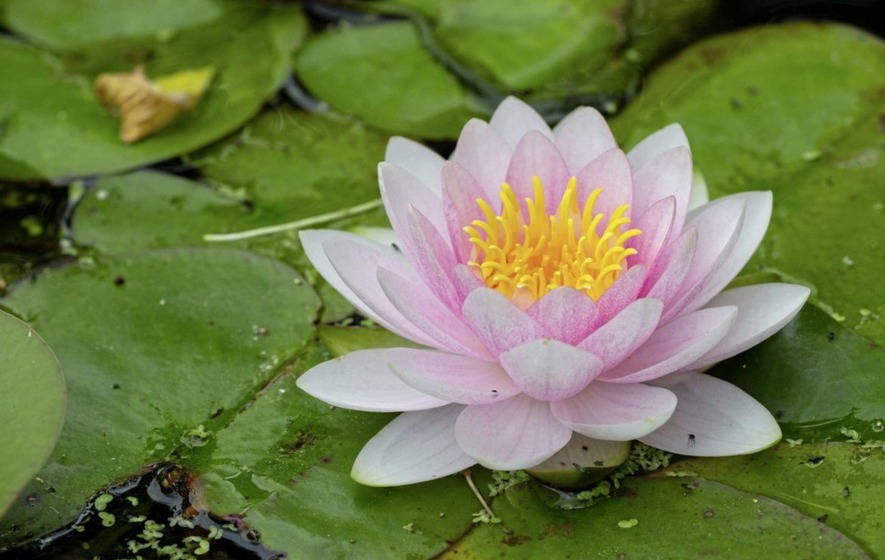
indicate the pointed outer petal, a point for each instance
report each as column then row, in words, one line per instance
column 362, row 380
column 610, row 172
column 757, row 214
column 451, row 377
column 668, row 174
column 718, row 225
column 699, row 194
column 414, row 447
column 667, row 138
column 401, row 190
column 417, row 159
column 763, row 309
column 625, row 332
column 460, row 191
column 313, row 243
column 485, row 154
column 355, row 262
column 550, row 370
column 671, row 273
column 433, row 258
column 582, row 136
column 656, row 223
column 426, row 312
column 566, row 313
column 616, row 412
column 675, row 345
column 537, row 155
column 619, row 295
column 723, row 419
column 514, row 434
column 514, row 118
column 498, row 322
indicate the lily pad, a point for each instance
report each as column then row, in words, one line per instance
column 54, row 127
column 839, row 483
column 158, row 348
column 284, row 465
column 524, row 45
column 32, row 405
column 382, row 74
column 659, row 518
column 794, row 109
column 833, row 378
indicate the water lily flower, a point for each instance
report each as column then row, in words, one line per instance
column 559, row 286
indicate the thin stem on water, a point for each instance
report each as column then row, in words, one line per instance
column 469, row 479
column 297, row 224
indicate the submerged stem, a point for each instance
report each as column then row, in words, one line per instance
column 297, row 224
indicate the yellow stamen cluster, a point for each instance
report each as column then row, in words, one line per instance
column 529, row 254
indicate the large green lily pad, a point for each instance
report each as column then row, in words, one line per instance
column 284, row 465
column 158, row 347
column 841, row 484
column 382, row 74
column 32, row 405
column 656, row 518
column 283, row 166
column 815, row 376
column 794, row 109
column 525, row 45
column 55, row 128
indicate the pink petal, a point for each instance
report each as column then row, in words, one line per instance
column 362, row 380
column 668, row 174
column 667, row 138
column 514, row 118
column 460, row 192
column 550, row 370
column 414, row 447
column 417, row 159
column 566, row 313
column 514, row 434
column 718, row 224
column 466, row 280
column 433, row 258
column 582, row 136
column 620, row 336
column 666, row 284
column 616, row 412
column 713, row 418
column 655, row 224
column 620, row 294
column 400, row 190
column 536, row 155
column 368, row 298
column 498, row 322
column 451, row 377
column 610, row 172
column 763, row 309
column 675, row 345
column 757, row 214
column 485, row 154
column 426, row 312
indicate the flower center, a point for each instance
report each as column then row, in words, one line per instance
column 522, row 257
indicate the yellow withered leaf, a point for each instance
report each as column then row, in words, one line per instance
column 147, row 106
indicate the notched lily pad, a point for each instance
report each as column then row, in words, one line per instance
column 209, row 327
